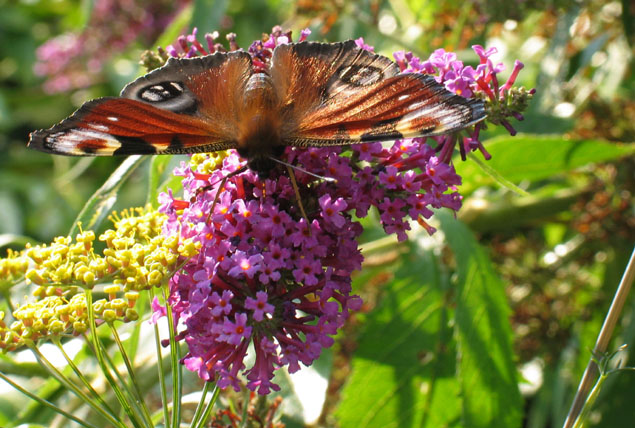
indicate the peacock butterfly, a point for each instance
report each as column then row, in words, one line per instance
column 311, row 95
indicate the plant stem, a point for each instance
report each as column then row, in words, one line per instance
column 136, row 392
column 68, row 384
column 81, row 376
column 174, row 360
column 602, row 342
column 210, row 406
column 580, row 421
column 47, row 403
column 196, row 420
column 98, row 350
column 164, row 393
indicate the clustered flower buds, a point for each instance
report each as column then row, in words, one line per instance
column 137, row 256
column 12, row 268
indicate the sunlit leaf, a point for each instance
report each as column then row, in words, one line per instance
column 486, row 371
column 176, row 27
column 208, row 13
column 403, row 369
column 158, row 166
column 535, row 157
column 99, row 205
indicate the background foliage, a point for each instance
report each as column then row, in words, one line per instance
column 447, row 333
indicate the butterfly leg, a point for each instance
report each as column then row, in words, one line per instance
column 297, row 194
column 220, row 188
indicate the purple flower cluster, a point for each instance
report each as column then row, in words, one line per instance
column 75, row 60
column 468, row 82
column 265, row 275
column 271, row 276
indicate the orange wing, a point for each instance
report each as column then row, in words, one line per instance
column 189, row 105
column 333, row 94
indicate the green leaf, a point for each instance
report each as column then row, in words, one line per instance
column 87, row 7
column 158, row 165
column 208, row 14
column 99, row 205
column 402, row 375
column 486, row 168
column 176, row 27
column 11, row 239
column 535, row 157
column 488, row 378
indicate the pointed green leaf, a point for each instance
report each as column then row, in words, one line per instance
column 158, row 165
column 535, row 157
column 176, row 27
column 99, row 205
column 403, row 370
column 486, row 371
column 208, row 13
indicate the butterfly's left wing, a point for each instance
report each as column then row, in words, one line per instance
column 189, row 105
column 336, row 93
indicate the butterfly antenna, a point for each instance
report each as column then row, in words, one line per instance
column 297, row 195
column 288, row 165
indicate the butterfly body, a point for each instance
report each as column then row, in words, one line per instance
column 311, row 95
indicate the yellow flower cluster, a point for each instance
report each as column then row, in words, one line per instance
column 206, row 163
column 137, row 257
column 12, row 268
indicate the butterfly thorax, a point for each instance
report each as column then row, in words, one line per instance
column 259, row 134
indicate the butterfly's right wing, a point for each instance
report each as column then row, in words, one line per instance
column 337, row 93
column 189, row 105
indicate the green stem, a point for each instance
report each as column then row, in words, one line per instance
column 98, row 350
column 131, row 398
column 135, row 392
column 164, row 393
column 7, row 298
column 580, row 402
column 48, row 403
column 593, row 395
column 81, row 377
column 244, row 416
column 196, row 420
column 210, row 406
column 174, row 360
column 68, row 384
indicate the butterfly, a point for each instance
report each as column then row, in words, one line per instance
column 311, row 95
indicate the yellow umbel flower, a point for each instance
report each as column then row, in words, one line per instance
column 137, row 257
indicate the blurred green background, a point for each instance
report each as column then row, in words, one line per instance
column 559, row 251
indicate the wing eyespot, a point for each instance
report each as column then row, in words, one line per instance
column 161, row 92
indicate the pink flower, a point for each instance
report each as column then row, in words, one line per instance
column 331, row 210
column 259, row 305
column 235, row 332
